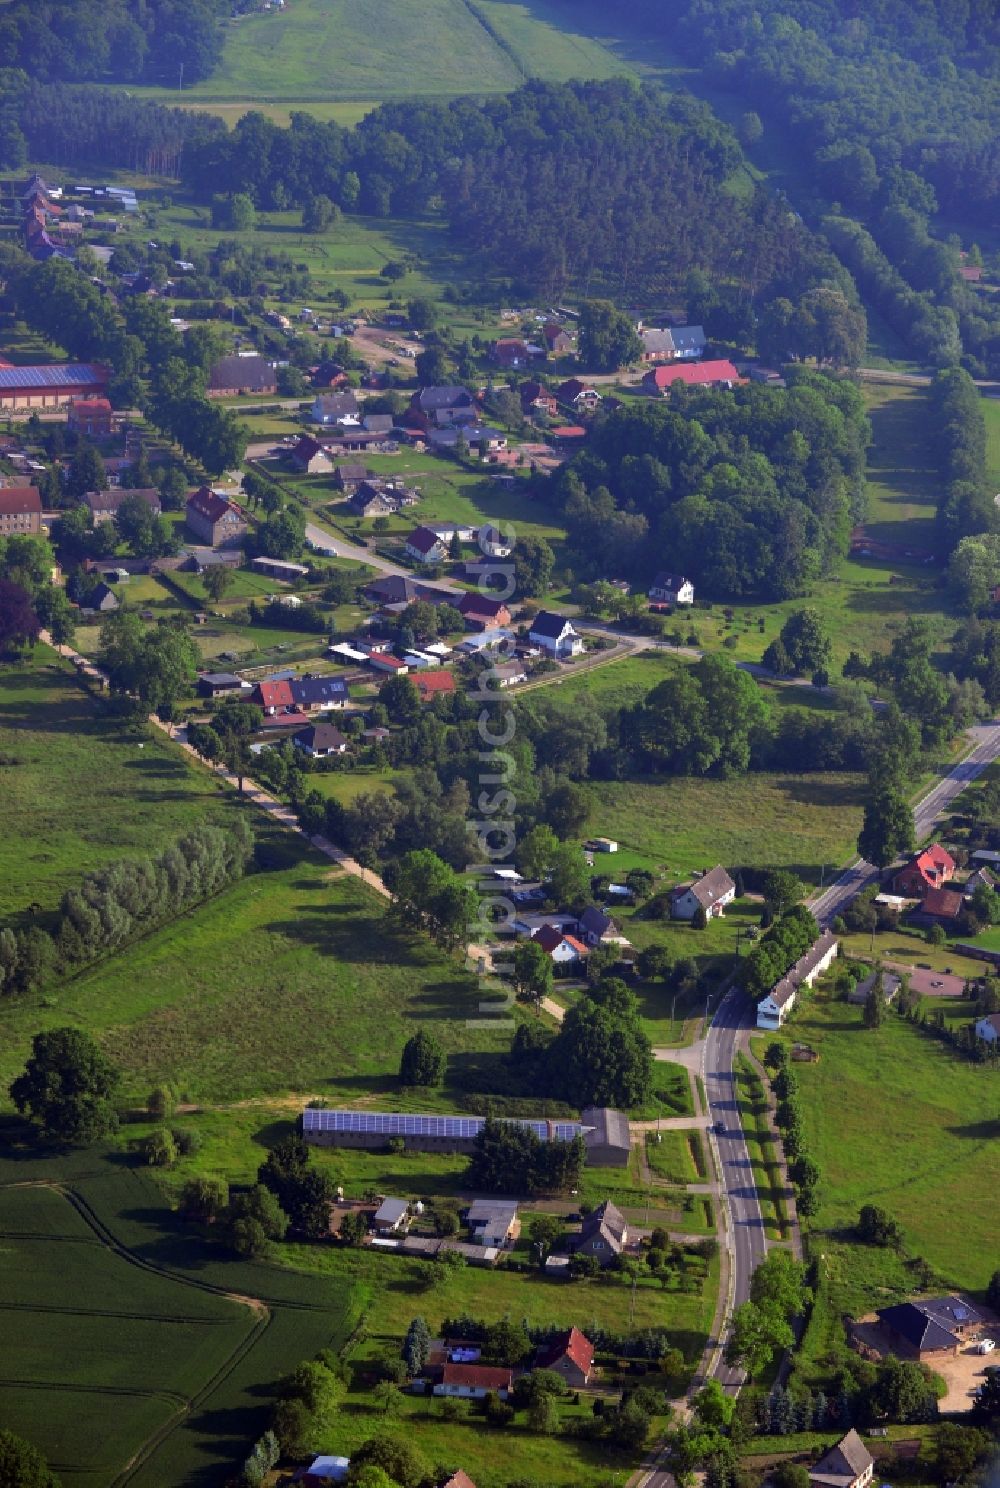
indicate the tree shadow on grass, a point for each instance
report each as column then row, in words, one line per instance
column 894, row 600
column 814, row 791
column 977, row 1131
column 274, row 1132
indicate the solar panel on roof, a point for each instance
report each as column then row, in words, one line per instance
column 71, row 375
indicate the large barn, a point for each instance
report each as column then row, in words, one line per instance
column 26, row 389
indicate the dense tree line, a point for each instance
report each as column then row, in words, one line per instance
column 958, row 437
column 752, row 492
column 510, row 1158
column 661, row 161
column 777, row 951
column 129, row 41
column 879, row 96
column 87, row 126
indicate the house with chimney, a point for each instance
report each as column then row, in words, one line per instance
column 215, row 520
column 712, row 892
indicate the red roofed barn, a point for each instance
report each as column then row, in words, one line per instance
column 701, row 374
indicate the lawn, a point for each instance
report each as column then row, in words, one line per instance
column 895, row 1118
column 109, row 1348
column 991, row 413
column 78, row 790
column 902, row 479
column 679, row 823
column 292, row 980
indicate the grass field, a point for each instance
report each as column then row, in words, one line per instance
column 78, row 791
column 894, row 1118
column 902, row 480
column 677, row 824
column 991, row 413
column 121, row 1331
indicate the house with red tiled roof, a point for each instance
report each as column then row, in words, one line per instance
column 273, row 697
column 660, row 380
column 92, row 417
column 562, row 950
column 571, row 1355
column 433, row 684
column 480, row 611
column 474, row 1381
column 217, row 521
column 926, row 870
column 938, row 907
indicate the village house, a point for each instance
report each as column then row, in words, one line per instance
column 938, row 907
column 606, row 1136
column 921, row 1330
column 507, row 674
column 926, row 870
column 657, row 345
column 279, row 568
column 561, row 949
column 234, row 376
column 320, row 740
column 330, row 409
column 603, row 1234
column 577, row 394
column 103, row 599
column 493, row 1222
column 349, row 477
column 671, row 589
column 104, row 505
column 313, row 694
column 510, row 352
column 712, row 892
column 689, row 341
column 20, row 511
column 773, row 1009
column 570, row 1355
column 849, row 1464
column 214, row 519
column 660, row 380
column 474, row 1381
column 273, row 696
column 536, row 399
column 430, row 685
column 425, row 546
column 23, row 389
column 558, row 341
column 555, row 635
column 596, row 928
column 480, row 611
column 456, row 402
column 310, row 458
column 91, row 417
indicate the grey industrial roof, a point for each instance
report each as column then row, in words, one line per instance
column 605, row 1127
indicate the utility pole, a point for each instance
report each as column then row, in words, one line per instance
column 180, row 79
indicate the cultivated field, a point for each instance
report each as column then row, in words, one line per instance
column 121, row 1334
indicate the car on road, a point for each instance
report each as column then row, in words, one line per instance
column 719, row 1128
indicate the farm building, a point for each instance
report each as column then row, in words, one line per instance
column 23, row 389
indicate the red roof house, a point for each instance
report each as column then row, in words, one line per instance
column 699, row 374
column 480, row 612
column 91, row 416
column 474, row 1381
column 926, row 870
column 433, row 684
column 273, row 696
column 939, row 904
column 562, row 949
column 571, row 1355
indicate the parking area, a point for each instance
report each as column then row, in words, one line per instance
column 930, row 983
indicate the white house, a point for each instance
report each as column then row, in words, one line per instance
column 391, row 1216
column 562, row 949
column 555, row 635
column 689, row 341
column 988, row 1028
column 775, row 1007
column 712, row 892
column 474, row 1381
column 331, row 409
column 424, row 545
column 672, row 589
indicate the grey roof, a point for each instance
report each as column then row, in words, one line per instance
column 428, row 399
column 607, row 1221
column 669, row 581
column 688, row 338
column 396, row 1124
column 548, row 623
column 72, row 374
column 379, row 423
column 657, row 341
column 391, row 1211
column 221, row 679
column 595, row 922
column 236, row 371
column 606, row 1127
column 711, row 887
column 111, row 499
column 337, row 402
column 318, row 689
column 320, row 736
column 844, row 1462
column 492, row 1211
column 915, row 1322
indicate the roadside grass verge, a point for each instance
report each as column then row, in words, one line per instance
column 767, row 1175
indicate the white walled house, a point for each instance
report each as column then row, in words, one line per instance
column 775, row 1007
column 988, row 1028
column 712, row 892
column 555, row 635
column 672, row 589
column 474, row 1381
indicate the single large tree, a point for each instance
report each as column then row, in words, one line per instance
column 607, row 337
column 422, row 1061
column 68, row 1087
column 19, row 622
column 887, row 831
column 22, row 1465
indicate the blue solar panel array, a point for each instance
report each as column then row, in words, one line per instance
column 394, row 1124
column 72, row 375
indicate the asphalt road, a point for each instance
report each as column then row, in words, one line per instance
column 325, row 542
column 744, row 1236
